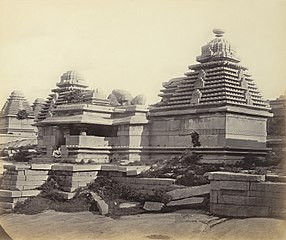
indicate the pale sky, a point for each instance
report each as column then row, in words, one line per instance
column 133, row 44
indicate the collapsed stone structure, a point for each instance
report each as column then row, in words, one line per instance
column 216, row 104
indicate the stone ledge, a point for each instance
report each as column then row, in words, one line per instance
column 242, row 177
column 268, row 187
column 153, row 206
column 147, row 181
column 76, row 167
column 229, row 185
column 41, row 166
column 17, row 167
column 186, row 201
column 189, row 192
column 239, row 211
column 250, row 201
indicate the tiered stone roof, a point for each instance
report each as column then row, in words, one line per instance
column 71, row 82
column 218, row 78
column 14, row 103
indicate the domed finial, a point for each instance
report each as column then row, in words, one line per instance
column 218, row 32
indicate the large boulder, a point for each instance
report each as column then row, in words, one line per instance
column 113, row 100
column 139, row 100
column 122, row 96
column 153, row 206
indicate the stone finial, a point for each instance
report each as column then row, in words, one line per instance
column 17, row 94
column 218, row 32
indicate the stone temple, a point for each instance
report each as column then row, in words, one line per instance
column 16, row 120
column 216, row 105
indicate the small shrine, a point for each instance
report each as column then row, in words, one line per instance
column 16, row 118
column 77, row 124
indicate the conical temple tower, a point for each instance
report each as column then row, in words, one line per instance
column 218, row 99
column 17, row 116
column 71, row 89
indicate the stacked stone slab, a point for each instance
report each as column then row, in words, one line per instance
column 245, row 195
column 24, row 177
column 189, row 196
column 70, row 177
column 19, row 182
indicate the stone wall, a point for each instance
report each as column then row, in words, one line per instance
column 246, row 195
column 21, row 181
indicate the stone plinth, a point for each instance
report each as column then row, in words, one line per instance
column 245, row 195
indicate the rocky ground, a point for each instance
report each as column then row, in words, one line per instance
column 183, row 224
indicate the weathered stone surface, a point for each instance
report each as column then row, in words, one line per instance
column 266, row 194
column 36, row 178
column 239, row 211
column 37, row 166
column 107, row 167
column 16, row 166
column 30, row 193
column 35, row 172
column 217, row 185
column 136, row 170
column 10, row 193
column 227, row 176
column 234, row 192
column 146, row 181
column 275, row 178
column 6, row 205
column 76, row 167
column 214, row 196
column 189, row 192
column 217, row 197
column 14, row 177
column 129, row 205
column 186, row 201
column 268, row 187
column 12, row 199
column 101, row 205
column 153, row 206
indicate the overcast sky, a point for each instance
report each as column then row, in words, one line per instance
column 133, row 44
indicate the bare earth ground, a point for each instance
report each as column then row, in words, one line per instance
column 183, row 224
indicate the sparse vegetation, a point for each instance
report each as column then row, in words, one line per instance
column 110, row 189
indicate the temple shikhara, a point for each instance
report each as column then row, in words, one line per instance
column 215, row 109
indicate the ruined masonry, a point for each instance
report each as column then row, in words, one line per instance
column 247, row 195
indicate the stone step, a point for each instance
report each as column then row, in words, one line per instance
column 186, row 202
